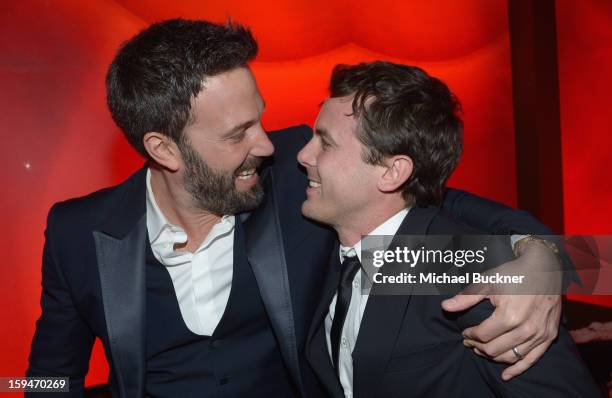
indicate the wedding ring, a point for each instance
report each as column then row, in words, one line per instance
column 517, row 353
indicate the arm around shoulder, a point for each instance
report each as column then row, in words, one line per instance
column 490, row 216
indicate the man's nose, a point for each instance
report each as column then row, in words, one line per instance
column 263, row 146
column 306, row 156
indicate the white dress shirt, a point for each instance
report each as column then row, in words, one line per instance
column 356, row 308
column 202, row 280
column 359, row 299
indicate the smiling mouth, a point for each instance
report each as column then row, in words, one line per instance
column 313, row 184
column 246, row 174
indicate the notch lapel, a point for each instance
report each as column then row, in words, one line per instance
column 332, row 278
column 383, row 317
column 265, row 252
column 316, row 343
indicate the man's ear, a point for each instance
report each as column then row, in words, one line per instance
column 398, row 169
column 163, row 150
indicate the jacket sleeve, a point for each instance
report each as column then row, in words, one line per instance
column 490, row 216
column 560, row 372
column 496, row 218
column 62, row 342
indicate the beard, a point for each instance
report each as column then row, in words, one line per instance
column 215, row 191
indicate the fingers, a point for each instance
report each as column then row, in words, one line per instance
column 497, row 335
column 525, row 338
column 532, row 315
column 521, row 365
column 499, row 323
column 583, row 335
column 461, row 302
column 508, row 357
column 511, row 357
column 525, row 363
column 589, row 334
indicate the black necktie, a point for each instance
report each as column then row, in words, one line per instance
column 350, row 266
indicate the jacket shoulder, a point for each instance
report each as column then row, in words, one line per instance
column 444, row 223
column 94, row 208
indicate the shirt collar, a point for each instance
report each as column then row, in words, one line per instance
column 155, row 218
column 388, row 227
column 163, row 235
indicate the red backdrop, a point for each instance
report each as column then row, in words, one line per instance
column 59, row 140
column 584, row 40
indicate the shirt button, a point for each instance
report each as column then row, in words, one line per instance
column 344, row 342
column 356, row 283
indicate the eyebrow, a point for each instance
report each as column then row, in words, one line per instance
column 321, row 132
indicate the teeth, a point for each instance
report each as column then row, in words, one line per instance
column 246, row 174
column 313, row 184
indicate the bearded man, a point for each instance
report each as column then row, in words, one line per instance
column 198, row 274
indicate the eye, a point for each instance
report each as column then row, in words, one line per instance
column 325, row 145
column 238, row 137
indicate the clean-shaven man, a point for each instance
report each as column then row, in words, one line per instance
column 198, row 273
column 385, row 142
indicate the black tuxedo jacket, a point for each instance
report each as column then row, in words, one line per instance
column 94, row 281
column 408, row 347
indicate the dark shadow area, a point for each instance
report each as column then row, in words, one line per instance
column 99, row 391
column 597, row 352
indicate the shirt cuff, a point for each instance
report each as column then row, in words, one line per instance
column 515, row 238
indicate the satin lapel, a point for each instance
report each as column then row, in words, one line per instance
column 265, row 252
column 383, row 318
column 120, row 251
column 121, row 264
column 317, row 351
